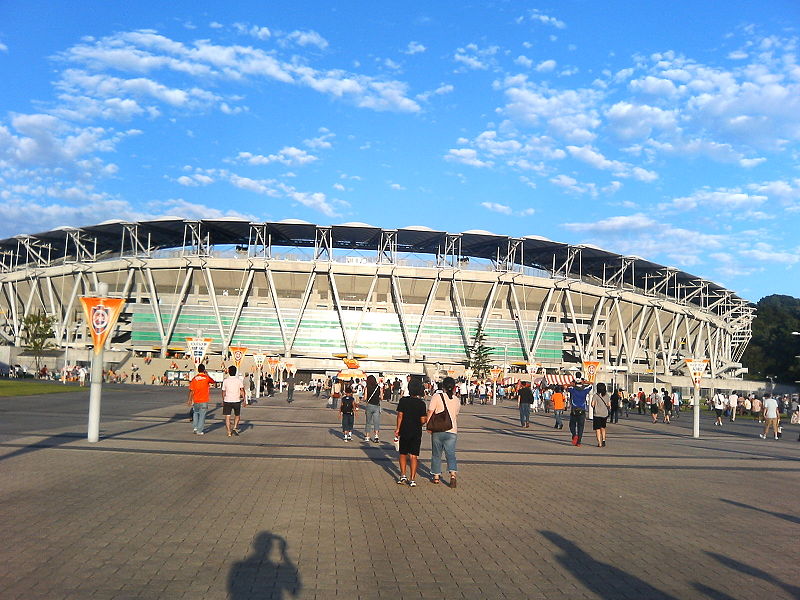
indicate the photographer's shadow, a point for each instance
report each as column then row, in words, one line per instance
column 267, row 572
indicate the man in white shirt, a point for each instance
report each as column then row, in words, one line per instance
column 232, row 396
column 733, row 403
column 770, row 409
column 720, row 401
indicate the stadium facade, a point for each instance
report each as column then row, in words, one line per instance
column 405, row 299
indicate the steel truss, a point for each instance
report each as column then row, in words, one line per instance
column 650, row 328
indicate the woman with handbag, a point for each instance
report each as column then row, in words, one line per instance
column 372, row 410
column 442, row 425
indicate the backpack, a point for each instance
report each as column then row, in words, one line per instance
column 347, row 405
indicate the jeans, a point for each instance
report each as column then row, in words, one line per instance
column 443, row 440
column 524, row 413
column 347, row 421
column 576, row 423
column 199, row 410
column 289, row 394
column 614, row 415
column 558, row 412
column 373, row 414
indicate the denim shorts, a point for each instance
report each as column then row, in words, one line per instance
column 347, row 421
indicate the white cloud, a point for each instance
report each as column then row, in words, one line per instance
column 321, row 142
column 415, row 48
column 539, row 17
column 308, row 38
column 626, row 223
column 523, row 61
column 440, row 91
column 592, row 157
column 546, row 66
column 3, row 47
column 475, row 58
column 466, row 156
column 495, row 207
column 733, row 200
column 338, row 187
column 396, row 186
column 572, row 185
column 288, row 155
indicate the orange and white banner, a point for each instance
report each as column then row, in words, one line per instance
column 238, row 353
column 697, row 368
column 197, row 347
column 101, row 315
column 272, row 362
column 351, row 363
column 259, row 358
column 591, row 367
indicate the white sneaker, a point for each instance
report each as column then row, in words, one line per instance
column 200, row 433
column 194, row 430
column 762, row 436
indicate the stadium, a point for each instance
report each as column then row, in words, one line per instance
column 402, row 300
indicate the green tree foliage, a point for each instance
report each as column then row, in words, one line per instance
column 37, row 330
column 480, row 355
column 773, row 349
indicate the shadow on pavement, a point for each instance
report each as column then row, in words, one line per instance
column 596, row 575
column 742, row 568
column 784, row 516
column 711, row 592
column 267, row 572
column 63, row 438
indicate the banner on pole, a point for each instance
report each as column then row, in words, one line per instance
column 272, row 363
column 101, row 315
column 259, row 358
column 697, row 368
column 197, row 347
column 591, row 367
column 238, row 353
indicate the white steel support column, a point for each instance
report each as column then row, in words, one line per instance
column 544, row 315
column 428, row 303
column 306, row 295
column 176, row 311
column 212, row 293
column 243, row 292
column 517, row 315
column 398, row 302
column 338, row 305
column 287, row 344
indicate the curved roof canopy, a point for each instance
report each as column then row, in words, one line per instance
column 560, row 259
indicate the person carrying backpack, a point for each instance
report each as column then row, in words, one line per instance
column 347, row 409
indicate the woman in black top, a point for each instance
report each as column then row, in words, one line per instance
column 372, row 409
column 411, row 415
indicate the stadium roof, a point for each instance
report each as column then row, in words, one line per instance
column 172, row 232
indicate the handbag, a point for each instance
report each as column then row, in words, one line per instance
column 440, row 421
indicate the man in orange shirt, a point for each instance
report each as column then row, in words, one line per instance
column 559, row 403
column 198, row 398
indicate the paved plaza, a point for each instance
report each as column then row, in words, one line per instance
column 290, row 510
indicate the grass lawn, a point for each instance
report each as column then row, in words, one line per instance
column 29, row 387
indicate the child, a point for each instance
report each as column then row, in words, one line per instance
column 347, row 408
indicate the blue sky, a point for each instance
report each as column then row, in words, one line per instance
column 669, row 131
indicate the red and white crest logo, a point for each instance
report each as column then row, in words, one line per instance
column 101, row 318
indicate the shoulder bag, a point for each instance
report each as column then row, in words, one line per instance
column 440, row 421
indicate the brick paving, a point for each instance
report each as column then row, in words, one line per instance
column 290, row 510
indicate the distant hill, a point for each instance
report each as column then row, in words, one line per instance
column 773, row 349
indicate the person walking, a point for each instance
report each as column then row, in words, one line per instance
column 771, row 416
column 232, row 397
column 199, row 388
column 347, row 409
column 719, row 403
column 667, row 402
column 733, row 405
column 411, row 416
column 559, row 404
column 616, row 399
column 601, row 405
column 442, row 400
column 372, row 409
column 290, row 382
column 580, row 403
column 525, row 400
column 655, row 404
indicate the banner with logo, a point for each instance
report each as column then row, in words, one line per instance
column 590, row 369
column 291, row 367
column 697, row 368
column 259, row 358
column 238, row 353
column 197, row 348
column 351, row 363
column 101, row 315
column 272, row 363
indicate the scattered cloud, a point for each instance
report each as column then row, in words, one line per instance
column 288, row 155
column 415, row 48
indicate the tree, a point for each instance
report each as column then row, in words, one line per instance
column 37, row 329
column 773, row 349
column 480, row 355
